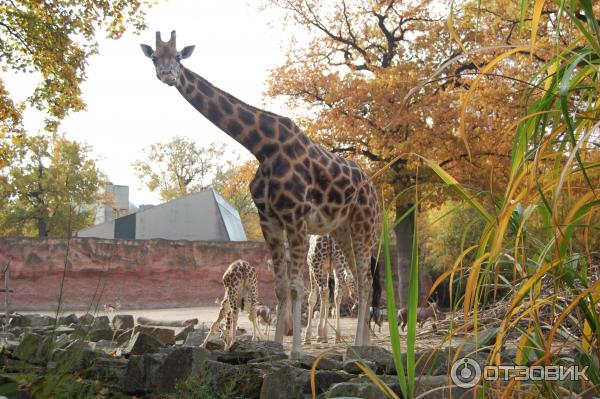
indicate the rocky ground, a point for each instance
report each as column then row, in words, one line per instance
column 114, row 356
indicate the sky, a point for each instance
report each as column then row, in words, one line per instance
column 128, row 108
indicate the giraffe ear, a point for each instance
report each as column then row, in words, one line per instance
column 147, row 50
column 187, row 51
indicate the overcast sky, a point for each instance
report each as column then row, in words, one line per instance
column 128, row 108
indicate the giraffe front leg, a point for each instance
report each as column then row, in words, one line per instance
column 273, row 233
column 298, row 248
column 312, row 301
column 231, row 329
column 324, row 312
column 337, row 300
column 215, row 326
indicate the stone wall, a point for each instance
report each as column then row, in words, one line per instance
column 134, row 274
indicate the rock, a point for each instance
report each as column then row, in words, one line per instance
column 325, row 363
column 355, row 390
column 141, row 343
column 100, row 333
column 244, row 351
column 227, row 380
column 165, row 336
column 195, row 338
column 383, row 359
column 123, row 322
column 214, row 343
column 101, row 322
column 324, row 379
column 269, row 359
column 182, row 335
column 33, row 348
column 285, row 382
column 68, row 320
column 122, row 336
column 177, row 366
column 351, row 367
column 108, row 370
column 86, row 319
column 31, row 320
column 133, row 380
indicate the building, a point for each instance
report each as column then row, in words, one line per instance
column 116, row 204
column 202, row 216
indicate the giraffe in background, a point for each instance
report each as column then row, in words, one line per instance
column 299, row 188
column 325, row 258
column 241, row 293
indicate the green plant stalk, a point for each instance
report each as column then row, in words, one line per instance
column 413, row 303
column 391, row 307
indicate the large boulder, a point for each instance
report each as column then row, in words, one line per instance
column 165, row 336
column 227, row 380
column 182, row 335
column 178, row 365
column 142, row 373
column 34, row 348
column 381, row 357
column 68, row 320
column 195, row 338
column 244, row 351
column 123, row 322
column 286, row 382
column 141, row 343
column 325, row 363
column 31, row 320
column 354, row 390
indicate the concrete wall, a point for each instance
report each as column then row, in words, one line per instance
column 134, row 273
column 193, row 217
column 104, row 230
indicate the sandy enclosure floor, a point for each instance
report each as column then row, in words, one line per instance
column 207, row 314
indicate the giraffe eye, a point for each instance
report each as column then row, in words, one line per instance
column 178, row 56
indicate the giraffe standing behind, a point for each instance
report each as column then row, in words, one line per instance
column 241, row 292
column 299, row 188
column 325, row 258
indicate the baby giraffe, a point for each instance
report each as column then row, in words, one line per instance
column 241, row 292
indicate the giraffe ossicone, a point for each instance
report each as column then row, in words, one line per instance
column 299, row 188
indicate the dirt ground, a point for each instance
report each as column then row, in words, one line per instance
column 426, row 338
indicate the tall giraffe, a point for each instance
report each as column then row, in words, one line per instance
column 299, row 188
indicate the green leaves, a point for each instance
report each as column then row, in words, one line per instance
column 49, row 187
column 54, row 40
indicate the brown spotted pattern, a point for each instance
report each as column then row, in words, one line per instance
column 299, row 189
column 325, row 259
column 241, row 293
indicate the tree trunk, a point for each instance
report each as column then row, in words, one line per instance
column 404, row 235
column 42, row 228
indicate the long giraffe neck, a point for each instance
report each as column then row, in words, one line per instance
column 261, row 132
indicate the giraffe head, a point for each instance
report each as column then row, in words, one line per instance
column 166, row 58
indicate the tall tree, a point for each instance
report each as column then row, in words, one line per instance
column 49, row 187
column 364, row 77
column 233, row 184
column 178, row 167
column 54, row 39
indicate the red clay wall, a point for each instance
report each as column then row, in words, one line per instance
column 136, row 274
